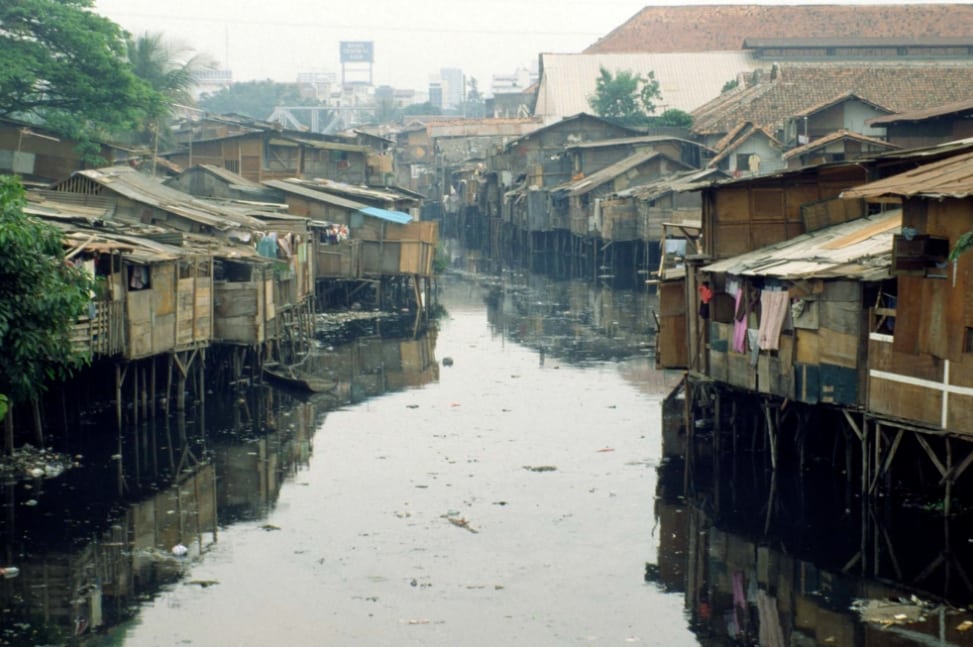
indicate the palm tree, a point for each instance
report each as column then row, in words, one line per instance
column 169, row 70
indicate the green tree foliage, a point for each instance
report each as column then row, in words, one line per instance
column 41, row 296
column 474, row 106
column 256, row 99
column 625, row 97
column 64, row 66
column 169, row 70
column 674, row 117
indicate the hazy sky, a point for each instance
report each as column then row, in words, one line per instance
column 413, row 39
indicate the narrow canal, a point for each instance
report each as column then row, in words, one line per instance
column 496, row 481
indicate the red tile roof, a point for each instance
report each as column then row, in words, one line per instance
column 768, row 99
column 699, row 28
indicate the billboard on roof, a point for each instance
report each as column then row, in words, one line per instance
column 357, row 51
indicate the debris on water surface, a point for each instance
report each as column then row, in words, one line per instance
column 891, row 612
column 540, row 468
column 29, row 462
column 269, row 527
column 459, row 522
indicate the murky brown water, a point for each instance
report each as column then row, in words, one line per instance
column 514, row 497
column 508, row 503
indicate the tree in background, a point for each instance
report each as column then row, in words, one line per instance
column 673, row 117
column 625, row 98
column 41, row 296
column 473, row 105
column 65, row 67
column 255, row 99
column 169, row 70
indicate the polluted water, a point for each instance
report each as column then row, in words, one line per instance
column 496, row 479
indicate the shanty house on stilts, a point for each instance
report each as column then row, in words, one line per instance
column 259, row 271
column 920, row 361
column 357, row 245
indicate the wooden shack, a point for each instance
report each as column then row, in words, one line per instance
column 371, row 241
column 153, row 289
column 211, row 181
column 613, row 221
column 264, row 153
column 921, row 364
column 40, row 156
column 793, row 319
column 539, row 156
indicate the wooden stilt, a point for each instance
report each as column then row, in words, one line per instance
column 38, row 421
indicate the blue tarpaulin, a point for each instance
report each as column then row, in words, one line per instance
column 397, row 217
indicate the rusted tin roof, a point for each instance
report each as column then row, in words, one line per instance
column 135, row 186
column 296, row 187
column 948, row 178
column 859, row 249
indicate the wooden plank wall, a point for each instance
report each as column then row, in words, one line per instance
column 743, row 216
column 673, row 349
column 930, row 346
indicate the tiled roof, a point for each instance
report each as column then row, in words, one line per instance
column 792, row 89
column 699, row 28
column 946, row 110
column 837, row 136
column 739, row 135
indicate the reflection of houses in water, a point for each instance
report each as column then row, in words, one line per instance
column 85, row 583
column 763, row 580
column 372, row 366
column 572, row 320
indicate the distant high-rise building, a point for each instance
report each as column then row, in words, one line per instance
column 454, row 87
column 436, row 92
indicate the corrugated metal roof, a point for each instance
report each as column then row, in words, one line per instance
column 947, row 178
column 612, row 171
column 686, row 80
column 859, row 249
column 146, row 190
column 633, row 141
column 398, row 217
column 353, row 191
column 296, row 188
column 674, row 183
column 228, row 176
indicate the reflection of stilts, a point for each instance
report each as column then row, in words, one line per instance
column 145, row 400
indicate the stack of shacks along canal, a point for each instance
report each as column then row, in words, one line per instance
column 210, row 268
column 797, row 220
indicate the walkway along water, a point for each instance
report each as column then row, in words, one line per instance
column 519, row 495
